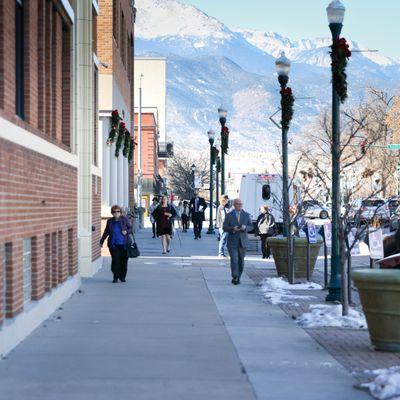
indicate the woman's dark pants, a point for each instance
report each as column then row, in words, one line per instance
column 266, row 251
column 119, row 262
column 185, row 222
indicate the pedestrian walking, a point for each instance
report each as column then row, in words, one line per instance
column 152, row 207
column 222, row 210
column 237, row 223
column 185, row 213
column 265, row 228
column 118, row 231
column 164, row 216
column 197, row 208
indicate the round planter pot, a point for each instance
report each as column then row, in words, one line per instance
column 379, row 291
column 279, row 251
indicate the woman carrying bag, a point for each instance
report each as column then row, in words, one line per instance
column 119, row 233
column 265, row 228
column 164, row 215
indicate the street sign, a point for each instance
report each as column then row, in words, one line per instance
column 353, row 242
column 328, row 234
column 393, row 146
column 197, row 182
column 376, row 244
column 312, row 232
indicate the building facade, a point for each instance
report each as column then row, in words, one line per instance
column 115, row 45
column 49, row 181
column 153, row 148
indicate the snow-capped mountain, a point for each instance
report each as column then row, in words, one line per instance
column 210, row 64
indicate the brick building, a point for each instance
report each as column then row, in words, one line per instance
column 115, row 32
column 153, row 158
column 49, row 179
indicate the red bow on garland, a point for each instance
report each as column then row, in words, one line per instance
column 286, row 92
column 342, row 43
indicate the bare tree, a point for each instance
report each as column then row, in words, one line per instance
column 180, row 176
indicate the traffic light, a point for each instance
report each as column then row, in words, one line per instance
column 363, row 145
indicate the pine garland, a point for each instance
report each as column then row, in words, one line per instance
column 120, row 138
column 127, row 143
column 340, row 53
column 131, row 150
column 225, row 140
column 287, row 102
column 115, row 121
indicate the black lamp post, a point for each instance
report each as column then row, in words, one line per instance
column 193, row 170
column 282, row 65
column 211, row 137
column 223, row 113
column 217, row 171
column 335, row 12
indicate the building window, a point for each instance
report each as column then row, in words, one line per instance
column 66, row 85
column 27, row 267
column 71, row 251
column 7, row 268
column 115, row 19
column 47, row 262
column 123, row 39
column 3, row 280
column 19, row 59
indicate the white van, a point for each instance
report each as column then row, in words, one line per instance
column 259, row 189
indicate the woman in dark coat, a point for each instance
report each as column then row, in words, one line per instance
column 164, row 215
column 117, row 231
column 265, row 229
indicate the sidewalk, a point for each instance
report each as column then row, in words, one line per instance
column 177, row 329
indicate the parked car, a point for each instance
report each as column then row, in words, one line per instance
column 365, row 210
column 329, row 206
column 393, row 204
column 314, row 209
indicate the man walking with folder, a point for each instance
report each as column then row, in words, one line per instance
column 237, row 223
column 197, row 208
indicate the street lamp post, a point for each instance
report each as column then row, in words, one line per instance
column 217, row 171
column 223, row 113
column 282, row 65
column 193, row 170
column 211, row 137
column 335, row 12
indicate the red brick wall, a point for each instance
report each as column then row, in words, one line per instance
column 43, row 67
column 111, row 49
column 96, row 217
column 39, row 197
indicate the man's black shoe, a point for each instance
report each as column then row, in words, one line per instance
column 122, row 280
column 115, row 280
column 235, row 281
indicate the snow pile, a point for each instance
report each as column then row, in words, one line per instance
column 386, row 383
column 322, row 315
column 278, row 291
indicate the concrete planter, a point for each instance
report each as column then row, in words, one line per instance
column 380, row 298
column 279, row 251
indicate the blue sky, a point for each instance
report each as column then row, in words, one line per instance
column 374, row 23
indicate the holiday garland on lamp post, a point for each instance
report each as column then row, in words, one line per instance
column 131, row 150
column 340, row 53
column 287, row 102
column 225, row 139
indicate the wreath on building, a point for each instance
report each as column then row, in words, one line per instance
column 120, row 138
column 340, row 53
column 131, row 150
column 115, row 121
column 287, row 102
column 127, row 143
column 225, row 139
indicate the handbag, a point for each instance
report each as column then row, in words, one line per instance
column 133, row 249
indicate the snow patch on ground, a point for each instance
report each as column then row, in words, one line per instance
column 322, row 315
column 385, row 384
column 278, row 291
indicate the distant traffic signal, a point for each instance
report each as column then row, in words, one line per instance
column 363, row 145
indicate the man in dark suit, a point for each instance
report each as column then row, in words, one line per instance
column 197, row 207
column 237, row 223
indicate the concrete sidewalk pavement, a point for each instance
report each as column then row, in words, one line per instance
column 177, row 329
